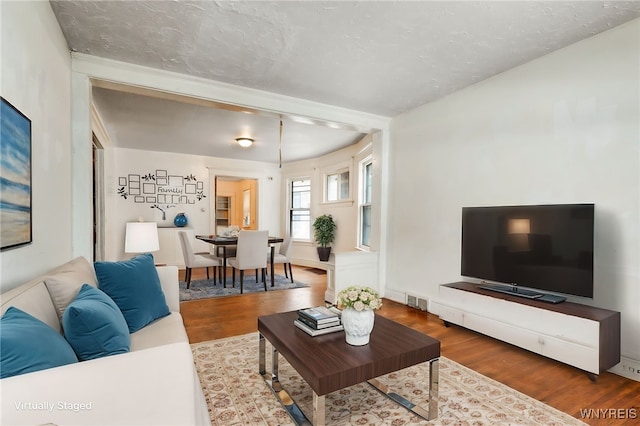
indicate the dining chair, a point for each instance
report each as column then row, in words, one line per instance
column 191, row 236
column 283, row 256
column 250, row 254
column 220, row 251
column 192, row 260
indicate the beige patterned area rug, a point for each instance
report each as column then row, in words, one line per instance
column 237, row 394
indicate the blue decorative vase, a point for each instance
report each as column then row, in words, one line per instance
column 180, row 220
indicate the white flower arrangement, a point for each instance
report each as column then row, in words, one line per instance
column 359, row 298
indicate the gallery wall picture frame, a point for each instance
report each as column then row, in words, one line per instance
column 176, row 181
column 15, row 177
column 148, row 188
column 162, row 178
column 160, row 187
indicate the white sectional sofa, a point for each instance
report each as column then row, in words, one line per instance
column 155, row 383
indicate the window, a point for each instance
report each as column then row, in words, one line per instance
column 300, row 211
column 365, row 203
column 337, row 186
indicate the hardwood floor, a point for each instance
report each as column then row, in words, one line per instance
column 558, row 385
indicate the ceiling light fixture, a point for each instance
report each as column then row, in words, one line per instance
column 244, row 142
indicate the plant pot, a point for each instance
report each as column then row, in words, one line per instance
column 357, row 326
column 323, row 253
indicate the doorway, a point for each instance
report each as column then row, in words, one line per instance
column 236, row 205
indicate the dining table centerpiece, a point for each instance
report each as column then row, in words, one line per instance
column 357, row 304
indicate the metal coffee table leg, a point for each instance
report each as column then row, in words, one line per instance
column 431, row 412
column 318, row 410
column 283, row 396
column 274, row 365
column 261, row 355
column 434, row 383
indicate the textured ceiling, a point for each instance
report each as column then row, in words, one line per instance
column 383, row 58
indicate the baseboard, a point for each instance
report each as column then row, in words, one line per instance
column 311, row 263
column 396, row 296
column 629, row 368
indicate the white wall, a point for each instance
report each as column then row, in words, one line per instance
column 36, row 70
column 561, row 129
column 120, row 162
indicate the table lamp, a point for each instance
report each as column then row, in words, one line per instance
column 141, row 237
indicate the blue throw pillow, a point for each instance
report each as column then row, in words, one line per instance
column 29, row 344
column 135, row 287
column 94, row 325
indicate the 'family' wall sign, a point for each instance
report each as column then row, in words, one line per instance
column 161, row 188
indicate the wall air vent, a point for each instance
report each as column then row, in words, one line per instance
column 417, row 302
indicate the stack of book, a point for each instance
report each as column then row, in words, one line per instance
column 319, row 320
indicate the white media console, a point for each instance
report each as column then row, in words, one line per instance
column 582, row 336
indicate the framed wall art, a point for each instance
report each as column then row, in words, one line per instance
column 15, row 177
column 159, row 187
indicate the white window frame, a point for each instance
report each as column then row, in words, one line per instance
column 362, row 201
column 336, row 170
column 291, row 209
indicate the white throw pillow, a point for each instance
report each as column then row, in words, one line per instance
column 64, row 282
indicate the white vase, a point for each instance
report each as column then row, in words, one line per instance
column 357, row 325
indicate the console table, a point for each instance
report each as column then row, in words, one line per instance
column 582, row 336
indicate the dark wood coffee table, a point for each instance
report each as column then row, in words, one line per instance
column 328, row 363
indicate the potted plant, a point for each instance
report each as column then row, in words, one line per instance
column 324, row 231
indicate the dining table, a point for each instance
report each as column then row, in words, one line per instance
column 222, row 242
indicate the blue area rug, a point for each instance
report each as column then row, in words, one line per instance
column 203, row 289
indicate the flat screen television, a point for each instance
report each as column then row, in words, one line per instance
column 543, row 247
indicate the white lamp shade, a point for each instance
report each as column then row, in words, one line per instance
column 141, row 237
